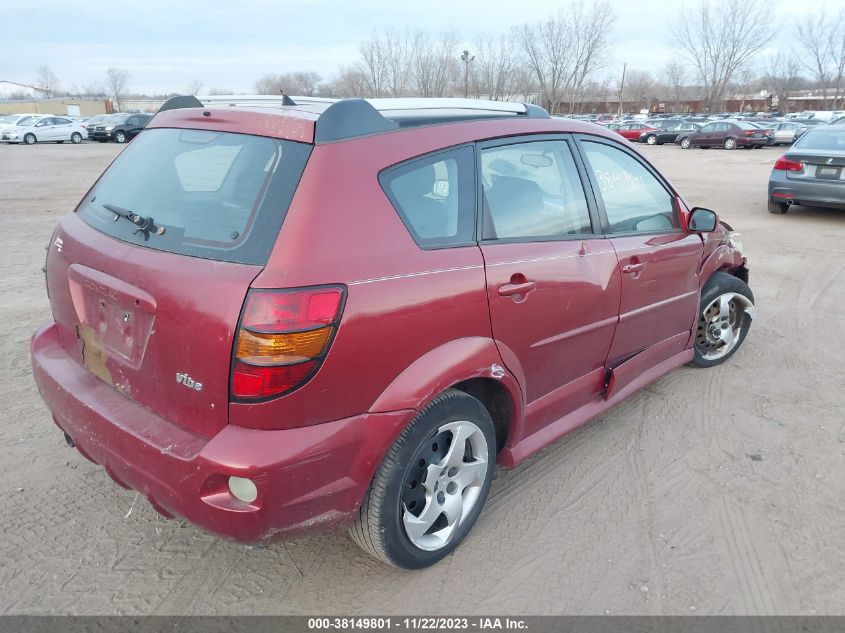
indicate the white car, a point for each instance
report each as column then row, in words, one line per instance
column 9, row 121
column 44, row 129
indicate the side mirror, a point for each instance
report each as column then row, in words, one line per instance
column 703, row 220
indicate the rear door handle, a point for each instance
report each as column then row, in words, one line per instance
column 633, row 268
column 508, row 290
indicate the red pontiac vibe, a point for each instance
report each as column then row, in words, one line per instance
column 271, row 317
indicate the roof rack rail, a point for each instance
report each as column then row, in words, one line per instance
column 340, row 119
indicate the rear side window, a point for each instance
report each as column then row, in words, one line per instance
column 532, row 190
column 218, row 195
column 435, row 197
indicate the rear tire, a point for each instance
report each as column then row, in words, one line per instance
column 400, row 521
column 778, row 208
column 724, row 318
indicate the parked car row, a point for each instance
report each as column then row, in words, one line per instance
column 29, row 129
column 727, row 133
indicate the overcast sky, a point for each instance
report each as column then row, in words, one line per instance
column 167, row 44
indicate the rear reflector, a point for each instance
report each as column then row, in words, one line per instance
column 784, row 164
column 253, row 381
column 283, row 337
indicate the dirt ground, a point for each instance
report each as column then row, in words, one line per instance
column 711, row 492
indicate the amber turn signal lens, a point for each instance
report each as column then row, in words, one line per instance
column 275, row 349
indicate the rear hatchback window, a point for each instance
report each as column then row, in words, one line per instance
column 218, row 195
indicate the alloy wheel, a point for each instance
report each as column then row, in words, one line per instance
column 443, row 484
column 720, row 325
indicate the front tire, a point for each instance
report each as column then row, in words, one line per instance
column 120, row 137
column 429, row 490
column 30, row 139
column 730, row 143
column 685, row 143
column 651, row 139
column 724, row 318
column 76, row 138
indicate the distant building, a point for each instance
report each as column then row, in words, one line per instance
column 14, row 90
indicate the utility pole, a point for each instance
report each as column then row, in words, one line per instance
column 622, row 87
column 466, row 58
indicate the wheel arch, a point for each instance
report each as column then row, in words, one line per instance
column 472, row 365
column 723, row 259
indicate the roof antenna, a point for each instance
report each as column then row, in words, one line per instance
column 286, row 100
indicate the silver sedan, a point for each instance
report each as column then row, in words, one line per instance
column 786, row 133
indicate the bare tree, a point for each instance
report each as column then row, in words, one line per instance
column 47, row 81
column 351, row 81
column 744, row 85
column 638, row 87
column 566, row 49
column 117, row 80
column 720, row 39
column 823, row 41
column 93, row 91
column 783, row 76
column 296, row 83
column 434, row 66
column 675, row 78
column 496, row 67
column 194, row 87
column 387, row 63
column 838, row 53
column 374, row 66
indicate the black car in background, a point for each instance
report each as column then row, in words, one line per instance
column 119, row 127
column 669, row 134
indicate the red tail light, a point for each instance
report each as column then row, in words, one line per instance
column 784, row 164
column 282, row 338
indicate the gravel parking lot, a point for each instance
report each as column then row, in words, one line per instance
column 711, row 492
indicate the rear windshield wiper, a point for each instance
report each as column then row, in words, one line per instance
column 145, row 225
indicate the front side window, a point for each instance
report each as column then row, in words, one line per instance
column 634, row 200
column 435, row 197
column 532, row 190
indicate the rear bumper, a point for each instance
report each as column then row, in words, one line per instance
column 307, row 478
column 751, row 142
column 811, row 193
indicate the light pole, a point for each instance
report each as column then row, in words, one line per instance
column 622, row 87
column 466, row 58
